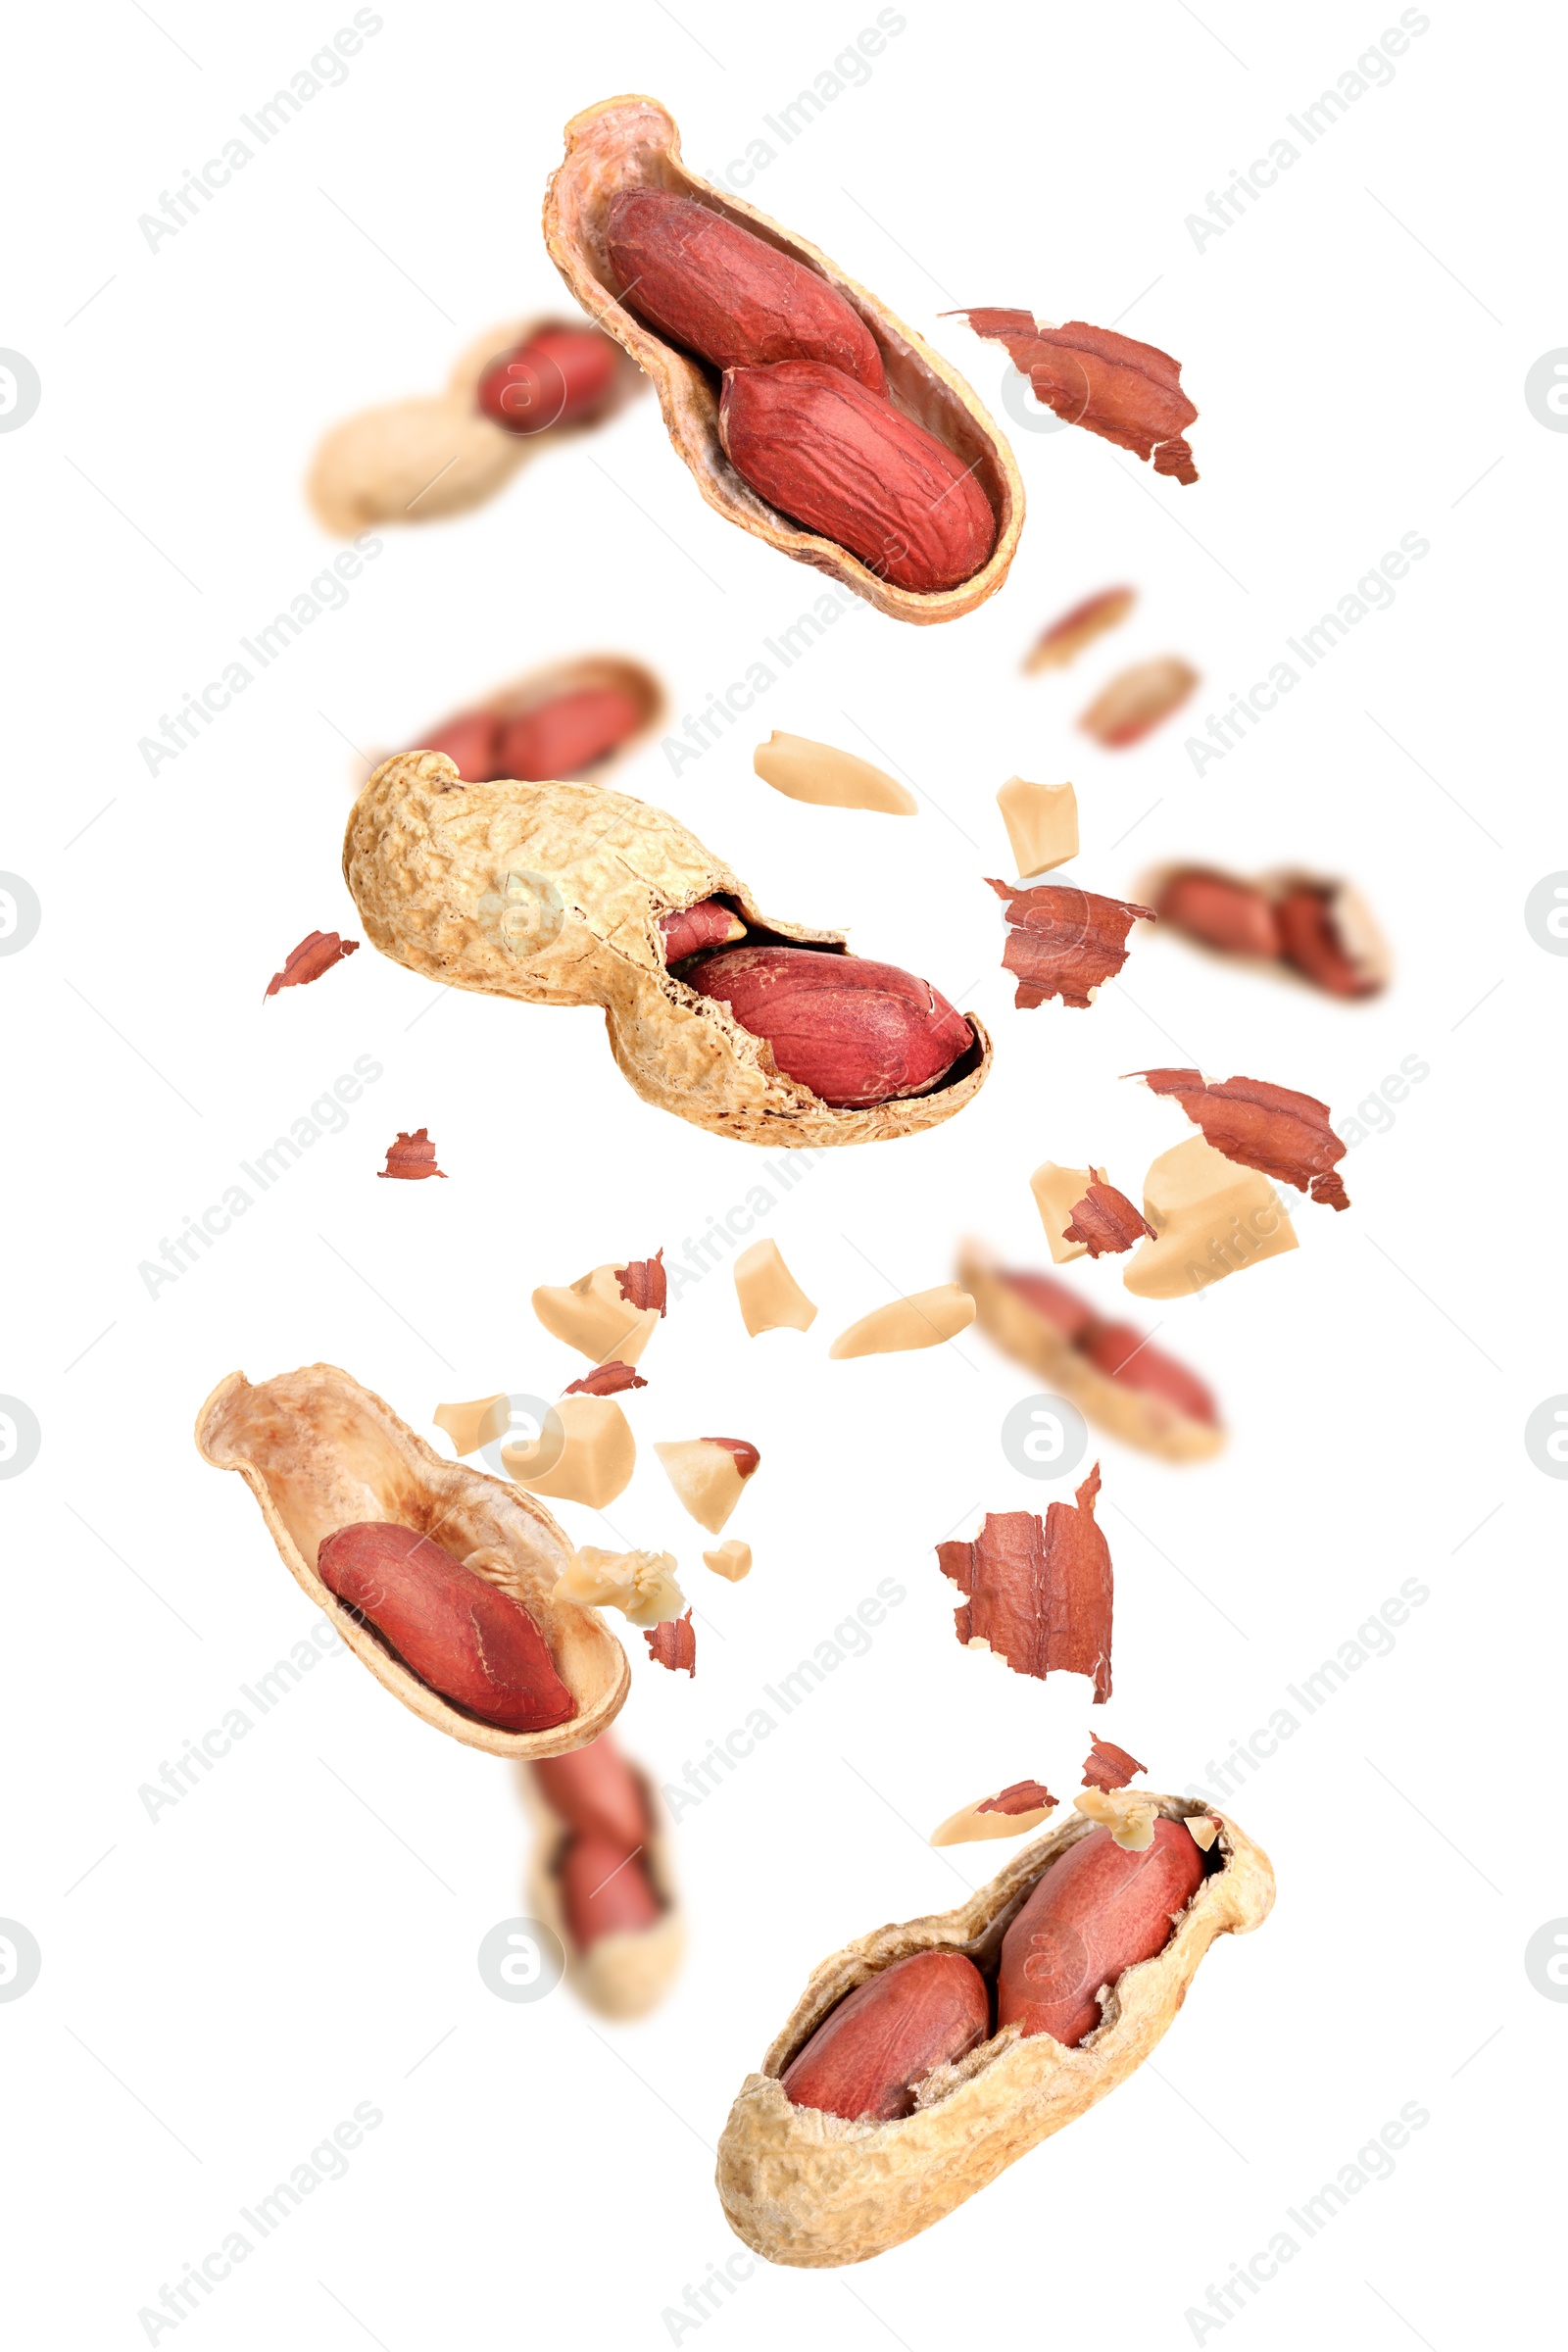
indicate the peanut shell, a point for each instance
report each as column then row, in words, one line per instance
column 319, row 1453
column 552, row 893
column 814, row 2191
column 620, row 1976
column 632, row 143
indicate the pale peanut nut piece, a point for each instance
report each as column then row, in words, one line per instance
column 1057, row 1192
column 1138, row 701
column 470, row 1426
column 707, row 1476
column 1041, row 821
column 732, row 1560
column 595, row 1458
column 828, row 778
column 925, row 1319
column 1212, row 1217
column 640, row 1583
column 970, row 1823
column 1204, row 1830
column 591, row 1315
column 1127, row 1813
column 771, row 1298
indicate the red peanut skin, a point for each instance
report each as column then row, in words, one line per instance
column 855, row 1032
column 1111, row 1347
column 867, row 2057
column 563, row 377
column 1094, row 1914
column 469, row 743
column 825, row 451
column 708, row 924
column 472, row 1643
column 604, row 1891
column 714, row 288
column 595, row 1792
column 558, row 740
column 1309, row 939
column 1230, row 916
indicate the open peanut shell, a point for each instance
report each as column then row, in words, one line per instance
column 811, row 2191
column 553, row 893
column 623, row 1976
column 632, row 143
column 319, row 1453
column 537, row 687
column 1153, row 1423
column 437, row 454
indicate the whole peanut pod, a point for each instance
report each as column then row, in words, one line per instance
column 604, row 1891
column 596, row 1793
column 1095, row 1912
column 835, row 457
column 718, row 290
column 562, row 375
column 867, row 2057
column 470, row 1642
column 856, row 1032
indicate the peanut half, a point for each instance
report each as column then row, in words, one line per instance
column 814, row 2188
column 694, row 283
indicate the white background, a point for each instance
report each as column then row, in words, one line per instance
column 299, row 1935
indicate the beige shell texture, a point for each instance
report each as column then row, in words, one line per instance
column 632, row 143
column 536, row 687
column 552, row 893
column 1150, row 1423
column 318, row 1451
column 623, row 1976
column 810, row 2190
column 1363, row 938
column 421, row 459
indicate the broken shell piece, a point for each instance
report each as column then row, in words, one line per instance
column 1135, row 703
column 411, row 1156
column 470, row 1426
column 593, row 1462
column 771, row 1298
column 1106, row 1222
column 1212, row 1217
column 640, row 1583
column 675, row 1644
column 1007, row 1814
column 1057, row 1192
column 1066, row 638
column 925, row 1319
column 708, row 1474
column 828, row 778
column 732, row 1560
column 1204, row 1830
column 1041, row 821
column 1107, row 1766
column 592, row 1315
column 1124, row 1812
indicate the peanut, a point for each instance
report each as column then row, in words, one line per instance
column 563, row 377
column 723, row 293
column 708, row 924
column 844, row 462
column 855, row 1032
column 596, row 1793
column 1234, row 916
column 459, row 1634
column 1311, row 939
column 1095, row 1912
column 870, row 2055
column 605, row 1891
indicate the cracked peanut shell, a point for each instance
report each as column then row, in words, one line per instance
column 624, row 1975
column 553, row 893
column 808, row 2189
column 319, row 1452
column 632, row 143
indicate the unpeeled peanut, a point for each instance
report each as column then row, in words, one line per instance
column 1095, row 1912
column 558, row 738
column 855, row 1032
column 870, row 2055
column 565, row 376
column 605, row 1891
column 595, row 1793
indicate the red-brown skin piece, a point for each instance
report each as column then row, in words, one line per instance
column 1054, row 1302
column 1107, row 1766
column 844, row 462
column 461, row 1635
column 1023, row 1796
column 469, row 743
column 1095, row 1912
column 1121, row 1352
column 714, row 288
column 1129, row 393
column 744, row 1451
column 1040, row 1593
column 316, row 953
column 606, row 1380
column 1261, row 1125
column 870, row 2055
column 708, row 924
column 605, row 1891
column 644, row 1282
column 564, row 376
column 675, row 1644
column 560, row 738
column 1062, row 941
column 411, row 1156
column 856, row 1033
column 1232, row 916
column 1309, row 939
column 1106, row 1222
column 595, row 1792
